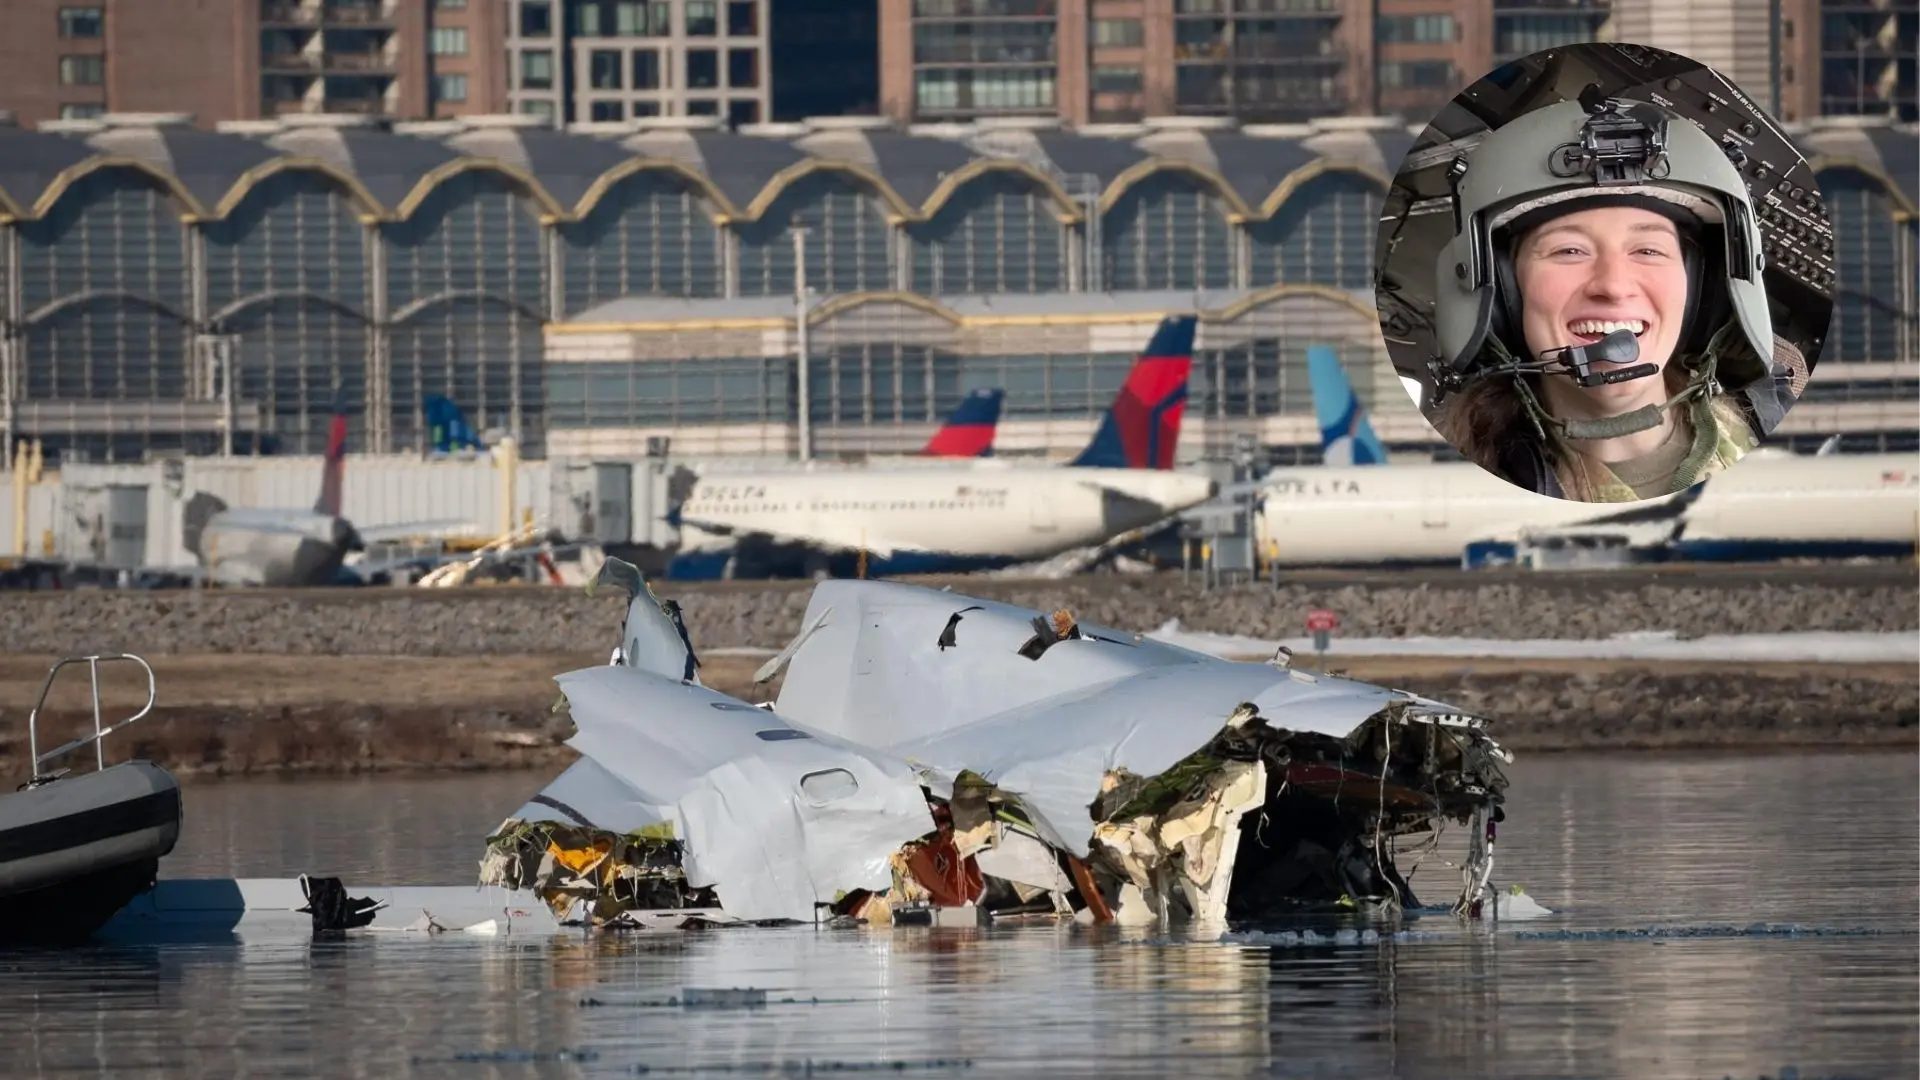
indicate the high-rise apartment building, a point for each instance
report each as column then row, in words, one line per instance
column 574, row 61
column 251, row 59
column 1292, row 60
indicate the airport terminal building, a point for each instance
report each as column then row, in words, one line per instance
column 630, row 290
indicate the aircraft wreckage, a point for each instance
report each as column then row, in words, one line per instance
column 932, row 757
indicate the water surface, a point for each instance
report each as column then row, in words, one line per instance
column 1611, row 842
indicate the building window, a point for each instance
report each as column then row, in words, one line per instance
column 542, row 109
column 645, row 108
column 1416, row 28
column 743, row 18
column 703, row 69
column 81, row 22
column 536, row 70
column 85, row 111
column 449, row 41
column 603, row 69
column 1410, row 74
column 536, row 19
column 1116, row 80
column 646, row 69
column 450, row 5
column 450, row 88
column 704, row 107
column 703, row 18
column 743, row 68
column 605, row 111
column 1119, row 33
column 83, row 70
column 743, row 111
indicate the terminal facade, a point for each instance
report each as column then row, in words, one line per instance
column 630, row 289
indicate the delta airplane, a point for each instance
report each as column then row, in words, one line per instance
column 1774, row 505
column 945, row 519
column 290, row 547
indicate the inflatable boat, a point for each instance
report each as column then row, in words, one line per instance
column 74, row 849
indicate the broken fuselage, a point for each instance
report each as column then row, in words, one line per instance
column 933, row 756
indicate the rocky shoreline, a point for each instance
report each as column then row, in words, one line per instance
column 511, row 621
column 376, row 680
column 335, row 715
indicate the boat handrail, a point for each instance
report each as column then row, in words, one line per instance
column 98, row 738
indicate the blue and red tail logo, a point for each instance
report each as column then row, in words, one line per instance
column 1142, row 429
column 969, row 430
column 332, row 470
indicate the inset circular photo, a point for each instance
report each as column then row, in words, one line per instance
column 1605, row 272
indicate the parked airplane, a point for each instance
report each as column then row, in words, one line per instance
column 282, row 547
column 1346, row 438
column 969, row 430
column 1775, row 505
column 931, row 519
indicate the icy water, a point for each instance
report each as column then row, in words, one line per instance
column 1709, row 845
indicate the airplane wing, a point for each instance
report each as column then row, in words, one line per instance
column 367, row 569
column 374, row 534
column 831, row 537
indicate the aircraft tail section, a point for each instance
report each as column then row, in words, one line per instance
column 1142, row 428
column 333, row 471
column 447, row 427
column 194, row 518
column 1346, row 438
column 969, row 431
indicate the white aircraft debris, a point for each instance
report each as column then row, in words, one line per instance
column 918, row 767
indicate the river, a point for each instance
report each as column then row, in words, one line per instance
column 1728, row 848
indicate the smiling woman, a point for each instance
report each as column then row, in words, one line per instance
column 1601, row 323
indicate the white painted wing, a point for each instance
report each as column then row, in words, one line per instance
column 874, row 673
column 775, row 818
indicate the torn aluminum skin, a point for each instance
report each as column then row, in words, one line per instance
column 934, row 750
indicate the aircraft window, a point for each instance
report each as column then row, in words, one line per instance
column 730, row 706
column 829, row 785
column 780, row 734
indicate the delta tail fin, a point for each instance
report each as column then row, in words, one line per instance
column 969, row 431
column 1346, row 438
column 333, row 470
column 447, row 428
column 1142, row 428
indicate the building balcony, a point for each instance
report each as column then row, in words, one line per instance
column 289, row 15
column 358, row 15
column 357, row 106
column 378, row 63
column 289, row 61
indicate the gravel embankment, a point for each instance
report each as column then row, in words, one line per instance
column 508, row 622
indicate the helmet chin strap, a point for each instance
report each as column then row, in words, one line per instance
column 1619, row 347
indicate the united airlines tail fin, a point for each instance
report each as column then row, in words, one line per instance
column 1346, row 438
column 447, row 428
column 969, row 431
column 333, row 471
column 1142, row 428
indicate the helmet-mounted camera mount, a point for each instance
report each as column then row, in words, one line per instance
column 1620, row 143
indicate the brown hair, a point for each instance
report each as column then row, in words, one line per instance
column 1487, row 419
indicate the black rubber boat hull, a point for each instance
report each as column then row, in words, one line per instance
column 75, row 851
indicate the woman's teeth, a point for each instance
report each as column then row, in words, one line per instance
column 1601, row 328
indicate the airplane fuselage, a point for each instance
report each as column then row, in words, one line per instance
column 923, row 519
column 1766, row 507
column 274, row 548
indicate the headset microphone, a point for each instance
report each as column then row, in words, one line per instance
column 1619, row 347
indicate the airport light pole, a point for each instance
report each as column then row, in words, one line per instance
column 804, row 368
